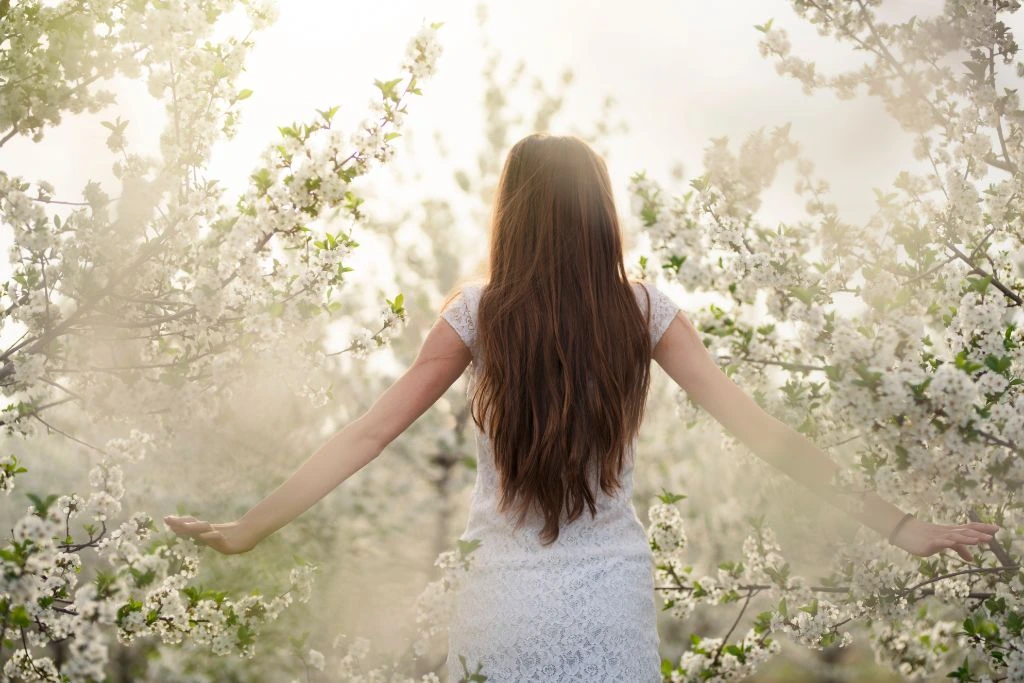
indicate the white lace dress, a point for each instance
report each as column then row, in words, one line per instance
column 581, row 609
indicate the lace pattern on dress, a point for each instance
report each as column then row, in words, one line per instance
column 663, row 310
column 582, row 609
column 461, row 314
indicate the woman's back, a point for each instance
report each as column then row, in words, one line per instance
column 581, row 608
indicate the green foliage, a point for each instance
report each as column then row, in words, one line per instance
column 42, row 505
column 467, row 546
column 669, row 498
column 471, row 677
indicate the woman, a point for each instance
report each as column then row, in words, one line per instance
column 560, row 342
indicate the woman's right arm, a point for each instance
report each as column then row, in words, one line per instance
column 682, row 354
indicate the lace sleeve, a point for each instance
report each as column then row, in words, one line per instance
column 459, row 315
column 663, row 310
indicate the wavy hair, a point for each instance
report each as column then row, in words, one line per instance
column 564, row 350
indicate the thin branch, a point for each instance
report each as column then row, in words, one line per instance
column 725, row 640
column 1010, row 294
column 62, row 432
column 980, row 570
column 799, row 367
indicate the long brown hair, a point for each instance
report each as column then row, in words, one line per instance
column 564, row 350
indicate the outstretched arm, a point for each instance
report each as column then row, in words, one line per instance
column 441, row 360
column 681, row 353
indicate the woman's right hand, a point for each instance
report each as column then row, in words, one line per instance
column 924, row 538
column 229, row 538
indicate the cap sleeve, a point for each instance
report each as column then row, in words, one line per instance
column 461, row 314
column 663, row 310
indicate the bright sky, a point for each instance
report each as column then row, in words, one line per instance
column 682, row 72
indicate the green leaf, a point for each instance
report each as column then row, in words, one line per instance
column 979, row 284
column 41, row 504
column 466, row 546
column 1015, row 623
column 963, row 672
column 387, row 88
column 762, row 623
column 243, row 95
column 674, row 263
column 867, row 378
column 19, row 616
column 805, row 294
column 977, row 69
column 245, row 635
column 262, row 179
column 701, row 183
column 734, row 650
column 833, row 372
column 998, row 364
column 966, row 365
column 328, row 114
column 811, row 608
column 669, row 498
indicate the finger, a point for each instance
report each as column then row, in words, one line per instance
column 193, row 529
column 173, row 518
column 964, row 537
column 198, row 523
column 982, row 527
column 177, row 523
column 946, row 542
column 963, row 552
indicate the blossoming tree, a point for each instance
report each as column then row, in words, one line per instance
column 140, row 310
column 898, row 342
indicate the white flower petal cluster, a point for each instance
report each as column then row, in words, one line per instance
column 198, row 278
column 899, row 337
column 435, row 603
column 422, row 54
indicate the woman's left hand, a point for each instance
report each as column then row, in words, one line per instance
column 230, row 538
column 922, row 538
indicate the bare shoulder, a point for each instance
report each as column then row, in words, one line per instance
column 639, row 287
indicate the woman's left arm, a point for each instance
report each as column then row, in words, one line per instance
column 441, row 360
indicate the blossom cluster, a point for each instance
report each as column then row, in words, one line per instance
column 201, row 280
column 434, row 604
column 900, row 337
